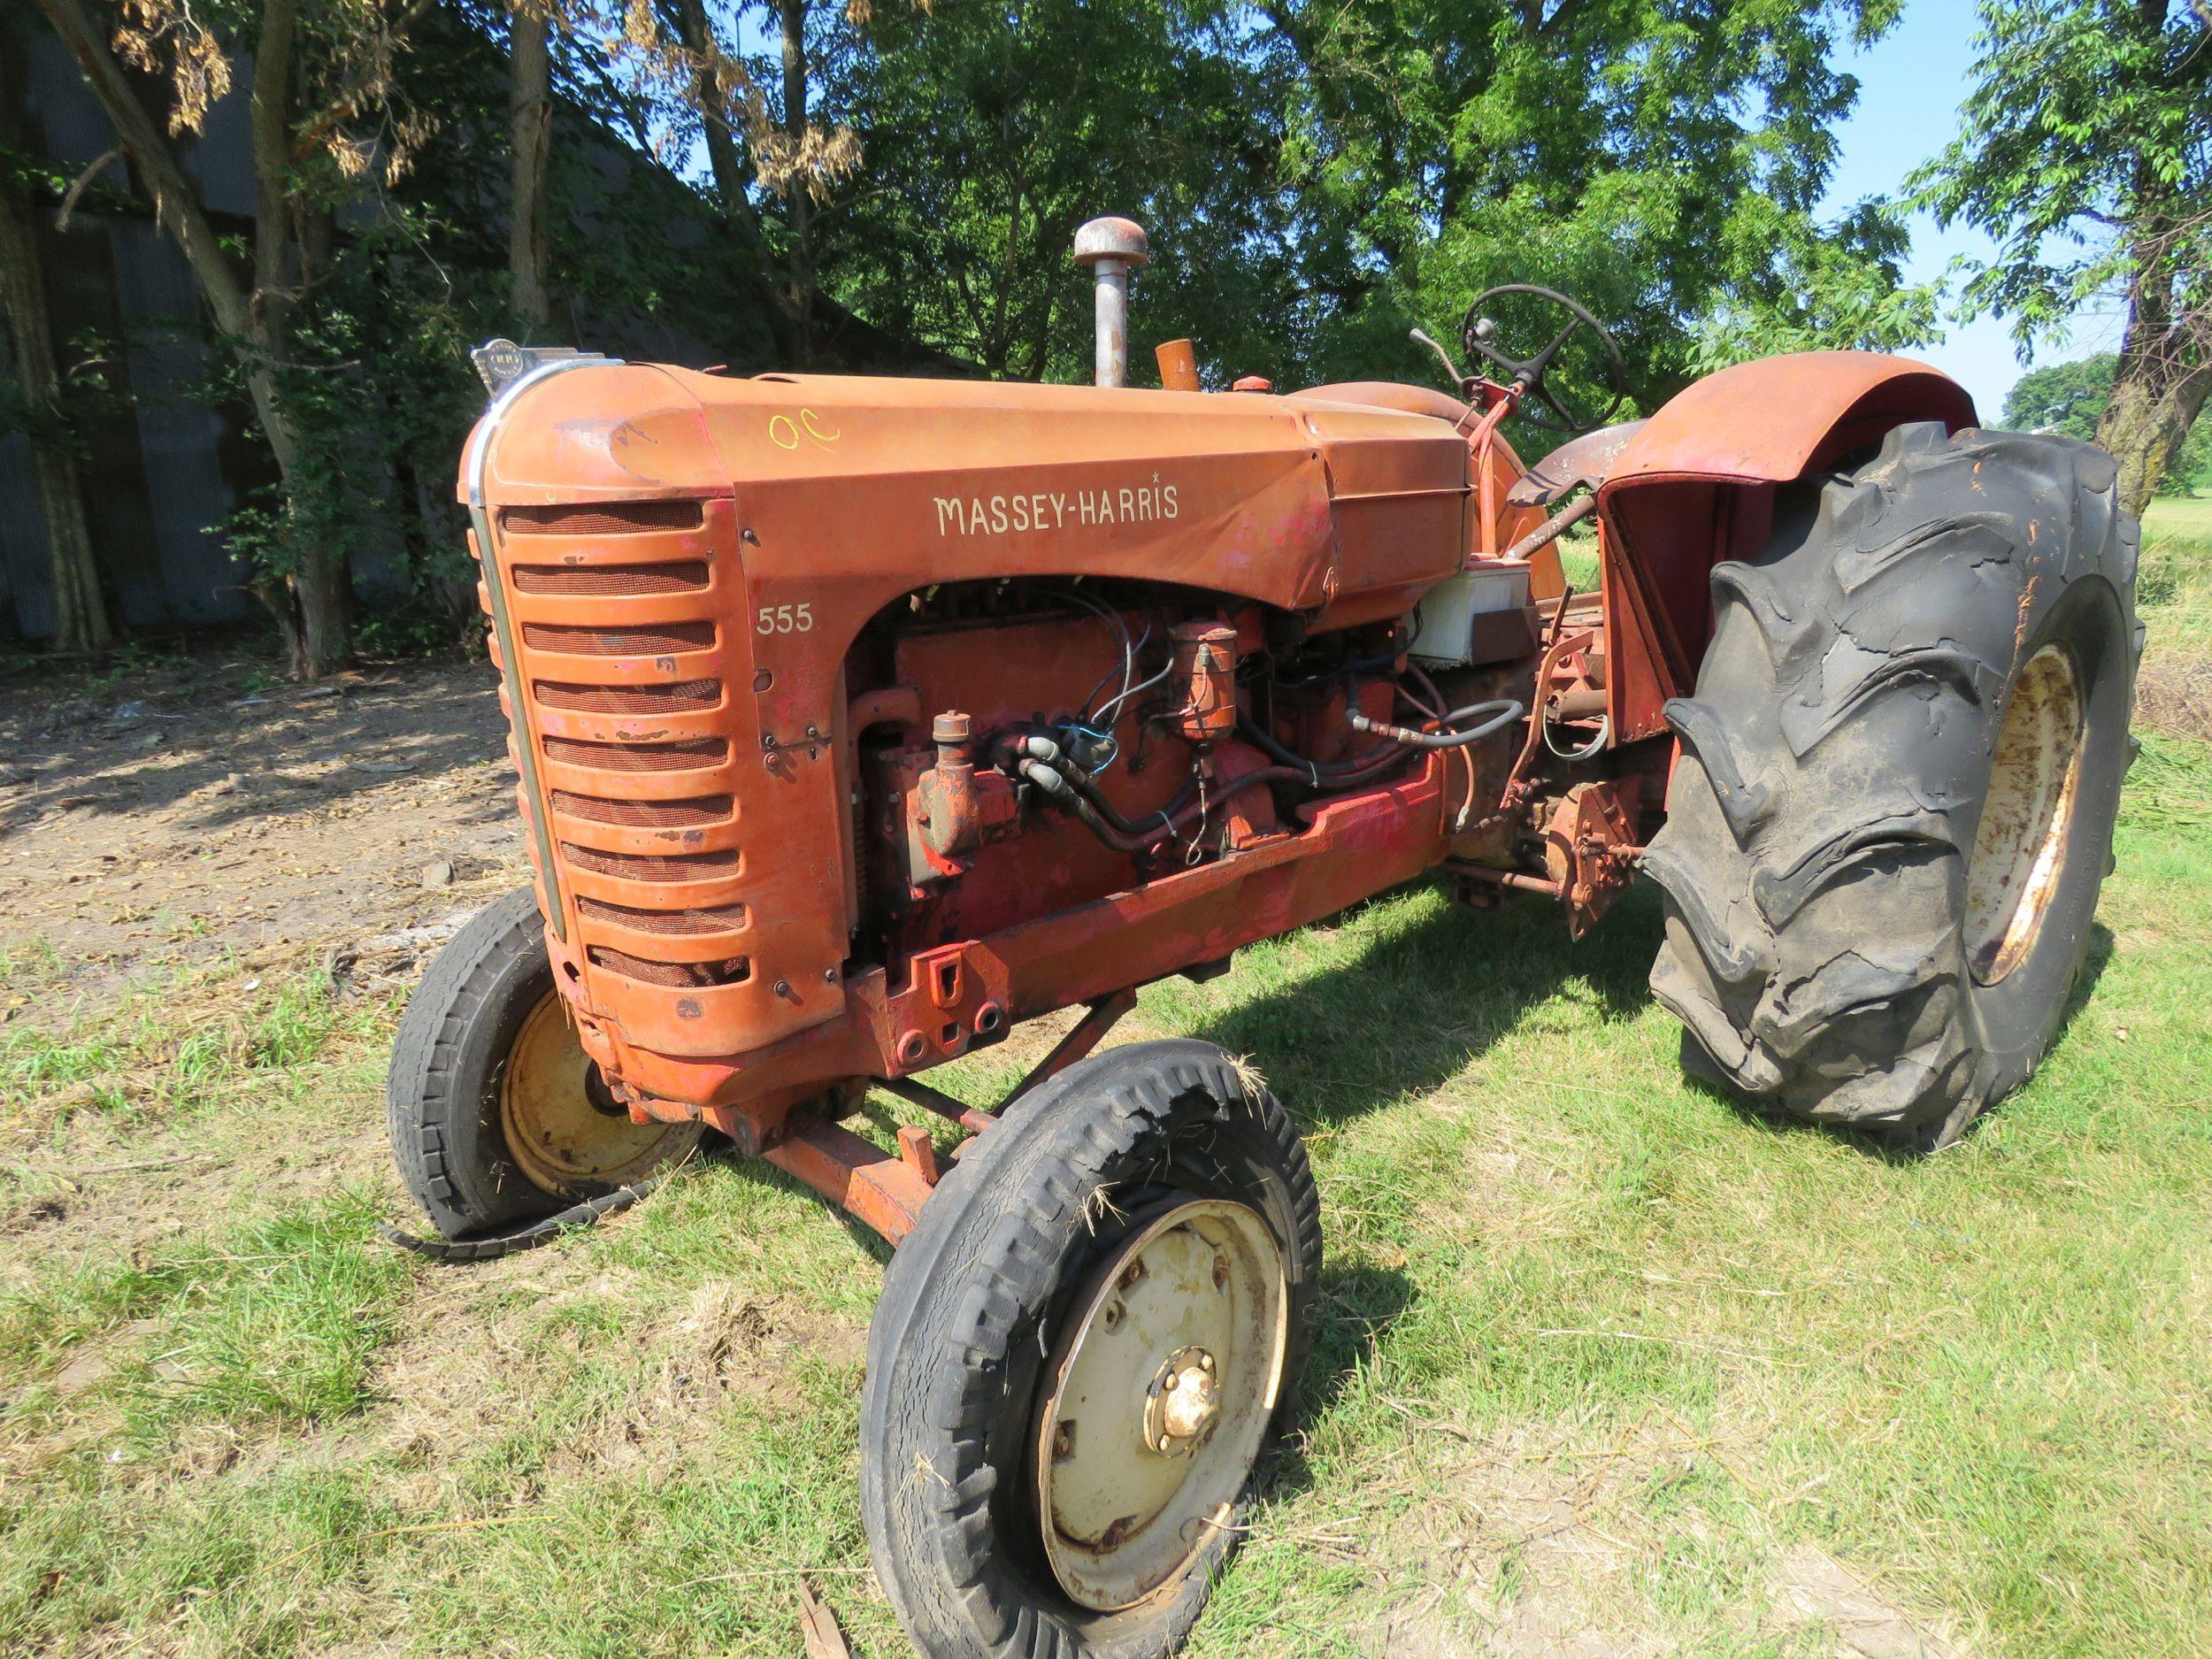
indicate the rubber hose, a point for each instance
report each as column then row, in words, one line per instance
column 1507, row 712
column 543, row 1231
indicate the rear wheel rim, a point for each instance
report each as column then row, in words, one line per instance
column 1158, row 1399
column 2020, row 844
column 564, row 1128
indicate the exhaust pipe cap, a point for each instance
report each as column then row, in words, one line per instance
column 1121, row 239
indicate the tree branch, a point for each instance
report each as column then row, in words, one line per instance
column 176, row 203
column 77, row 187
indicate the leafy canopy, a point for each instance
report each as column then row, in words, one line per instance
column 2086, row 152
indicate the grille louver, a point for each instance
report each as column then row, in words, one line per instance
column 646, row 821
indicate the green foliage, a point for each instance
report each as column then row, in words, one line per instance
column 1663, row 166
column 1318, row 179
column 2070, row 397
column 2066, row 397
column 2084, row 152
column 991, row 132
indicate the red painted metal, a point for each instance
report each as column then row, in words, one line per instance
column 1695, row 486
column 883, row 1189
column 762, row 636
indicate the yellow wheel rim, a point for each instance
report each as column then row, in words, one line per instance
column 2020, row 847
column 565, row 1131
column 1158, row 1401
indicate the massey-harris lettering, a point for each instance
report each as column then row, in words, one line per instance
column 1055, row 510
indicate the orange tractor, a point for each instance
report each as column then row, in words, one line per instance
column 858, row 721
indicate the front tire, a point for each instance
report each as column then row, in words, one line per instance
column 1037, row 1482
column 497, row 1118
column 1899, row 780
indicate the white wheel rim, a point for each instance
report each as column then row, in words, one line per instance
column 2020, row 846
column 564, row 1130
column 1158, row 1399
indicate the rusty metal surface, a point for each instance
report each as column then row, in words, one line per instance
column 882, row 1189
column 696, row 572
column 1695, row 486
column 716, row 704
column 2027, row 813
column 1179, row 365
column 1775, row 418
column 1113, row 248
column 1203, row 668
column 1578, row 464
column 1591, row 850
column 1156, row 1399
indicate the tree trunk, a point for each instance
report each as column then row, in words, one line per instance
column 725, row 158
column 252, row 322
column 80, row 618
column 792, row 14
column 530, row 129
column 320, row 585
column 2144, row 426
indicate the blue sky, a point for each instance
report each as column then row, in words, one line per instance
column 1910, row 83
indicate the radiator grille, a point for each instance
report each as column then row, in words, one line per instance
column 630, row 586
column 706, row 808
column 681, row 975
column 604, row 580
column 700, row 866
column 687, row 696
column 687, row 756
column 710, row 919
column 629, row 517
column 663, row 640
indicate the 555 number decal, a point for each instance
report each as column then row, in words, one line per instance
column 783, row 619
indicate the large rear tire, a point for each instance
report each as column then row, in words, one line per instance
column 1899, row 778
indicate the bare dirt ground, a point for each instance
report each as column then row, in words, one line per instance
column 188, row 811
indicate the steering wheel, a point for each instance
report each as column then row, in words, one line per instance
column 1478, row 334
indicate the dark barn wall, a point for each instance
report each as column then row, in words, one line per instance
column 165, row 468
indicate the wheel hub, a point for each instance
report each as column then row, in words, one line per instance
column 1182, row 1403
column 2020, row 845
column 1157, row 1399
column 566, row 1131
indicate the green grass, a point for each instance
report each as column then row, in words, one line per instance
column 176, row 1044
column 1597, row 1351
column 2174, row 582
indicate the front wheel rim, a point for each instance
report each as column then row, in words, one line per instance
column 566, row 1132
column 1158, row 1399
column 2027, row 814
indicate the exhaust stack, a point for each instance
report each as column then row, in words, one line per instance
column 1112, row 247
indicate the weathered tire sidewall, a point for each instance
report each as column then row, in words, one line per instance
column 968, row 1312
column 2020, row 1014
column 441, row 1095
column 1836, row 759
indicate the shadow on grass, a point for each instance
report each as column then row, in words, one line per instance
column 1419, row 992
column 1354, row 1307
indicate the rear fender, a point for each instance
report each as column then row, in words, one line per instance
column 1696, row 486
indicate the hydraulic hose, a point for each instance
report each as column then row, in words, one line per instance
column 1313, row 771
column 1082, row 785
column 1157, row 828
column 1506, row 711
